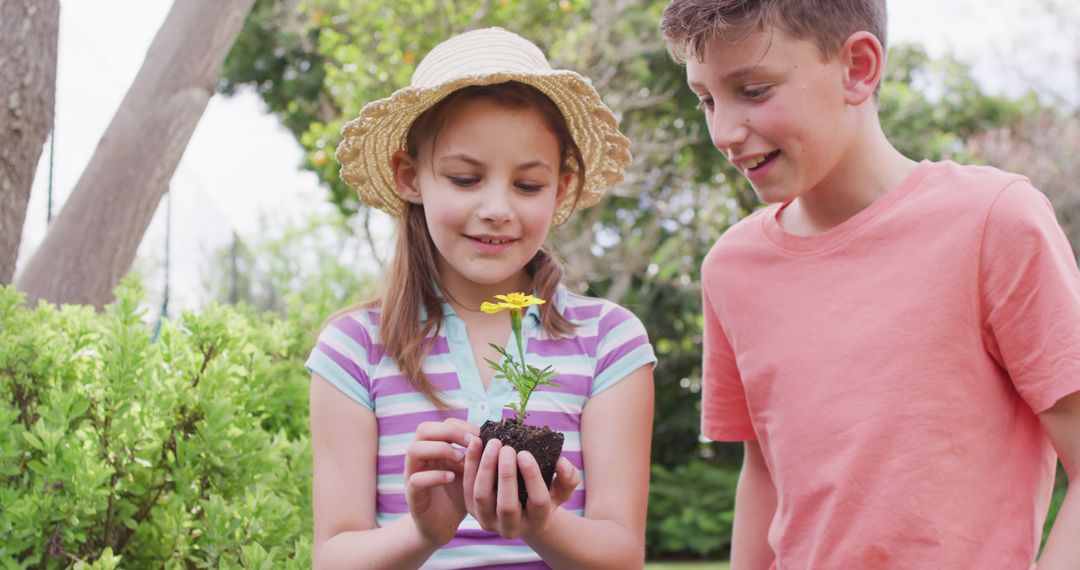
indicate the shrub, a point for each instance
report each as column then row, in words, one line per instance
column 118, row 450
column 691, row 509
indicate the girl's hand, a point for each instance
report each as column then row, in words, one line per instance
column 501, row 511
column 433, row 475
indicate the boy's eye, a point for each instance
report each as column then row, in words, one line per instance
column 705, row 103
column 463, row 181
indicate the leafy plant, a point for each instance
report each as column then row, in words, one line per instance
column 525, row 378
column 120, row 451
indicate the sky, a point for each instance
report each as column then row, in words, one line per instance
column 241, row 165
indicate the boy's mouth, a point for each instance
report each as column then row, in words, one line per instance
column 756, row 163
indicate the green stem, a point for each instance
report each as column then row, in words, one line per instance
column 515, row 324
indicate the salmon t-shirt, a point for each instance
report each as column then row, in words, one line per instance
column 891, row 370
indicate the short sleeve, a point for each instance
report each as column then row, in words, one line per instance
column 1031, row 296
column 725, row 415
column 341, row 356
column 623, row 347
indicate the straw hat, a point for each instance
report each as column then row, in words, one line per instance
column 481, row 57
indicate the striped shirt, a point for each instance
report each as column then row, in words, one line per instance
column 609, row 344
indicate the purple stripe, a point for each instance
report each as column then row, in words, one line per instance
column 583, row 312
column 390, row 464
column 439, row 346
column 406, row 423
column 398, row 384
column 576, row 502
column 481, row 537
column 575, row 384
column 559, row 347
column 359, row 334
column 395, row 503
column 558, row 421
column 345, row 363
column 519, row 566
column 613, row 356
column 391, row 503
column 616, row 317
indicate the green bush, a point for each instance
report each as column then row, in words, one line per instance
column 191, row 450
column 691, row 509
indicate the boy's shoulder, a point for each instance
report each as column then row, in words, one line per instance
column 975, row 180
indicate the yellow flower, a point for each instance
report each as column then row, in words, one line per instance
column 511, row 301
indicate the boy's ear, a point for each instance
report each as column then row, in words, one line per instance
column 406, row 176
column 864, row 59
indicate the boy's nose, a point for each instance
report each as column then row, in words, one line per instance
column 728, row 130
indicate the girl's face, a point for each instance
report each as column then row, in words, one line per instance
column 489, row 187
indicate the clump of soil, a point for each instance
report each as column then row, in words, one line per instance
column 543, row 443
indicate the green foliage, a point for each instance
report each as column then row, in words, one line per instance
column 691, row 510
column 934, row 108
column 115, row 451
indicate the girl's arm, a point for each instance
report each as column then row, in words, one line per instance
column 616, row 431
column 755, row 505
column 1062, row 424
column 344, row 439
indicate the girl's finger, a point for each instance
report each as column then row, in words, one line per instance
column 567, row 479
column 426, row 480
column 483, row 490
column 420, row 453
column 472, row 466
column 508, row 506
column 450, row 431
column 538, row 505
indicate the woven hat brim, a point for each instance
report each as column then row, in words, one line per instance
column 369, row 141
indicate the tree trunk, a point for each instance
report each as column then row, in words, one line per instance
column 92, row 242
column 28, row 36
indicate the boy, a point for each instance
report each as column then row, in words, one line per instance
column 897, row 343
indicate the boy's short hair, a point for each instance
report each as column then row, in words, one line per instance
column 689, row 26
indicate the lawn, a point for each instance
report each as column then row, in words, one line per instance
column 686, row 566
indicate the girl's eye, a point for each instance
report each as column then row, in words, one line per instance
column 530, row 187
column 756, row 92
column 463, row 181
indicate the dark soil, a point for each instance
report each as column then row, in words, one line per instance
column 543, row 443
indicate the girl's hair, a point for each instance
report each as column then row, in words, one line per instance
column 413, row 280
column 690, row 25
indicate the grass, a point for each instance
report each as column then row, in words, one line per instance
column 686, row 566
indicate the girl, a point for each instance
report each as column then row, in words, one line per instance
column 483, row 152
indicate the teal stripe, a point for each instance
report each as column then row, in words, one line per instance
column 354, row 352
column 327, row 368
column 622, row 368
column 487, row 552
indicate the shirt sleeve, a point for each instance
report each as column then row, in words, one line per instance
column 1031, row 296
column 623, row 347
column 341, row 355
column 725, row 414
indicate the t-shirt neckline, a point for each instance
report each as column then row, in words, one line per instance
column 837, row 235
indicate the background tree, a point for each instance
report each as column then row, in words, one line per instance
column 92, row 242
column 28, row 39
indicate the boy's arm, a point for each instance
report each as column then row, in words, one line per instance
column 1062, row 424
column 755, row 506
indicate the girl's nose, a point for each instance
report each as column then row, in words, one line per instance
column 495, row 204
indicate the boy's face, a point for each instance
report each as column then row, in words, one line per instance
column 776, row 109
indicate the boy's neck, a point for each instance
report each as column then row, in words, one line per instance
column 871, row 168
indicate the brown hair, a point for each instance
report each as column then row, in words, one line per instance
column 413, row 280
column 689, row 26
